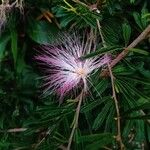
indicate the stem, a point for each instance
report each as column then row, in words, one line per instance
column 81, row 3
column 15, row 130
column 42, row 140
column 90, row 40
column 76, row 118
column 118, row 138
column 107, row 148
column 62, row 147
column 100, row 32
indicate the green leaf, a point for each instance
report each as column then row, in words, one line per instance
column 3, row 42
column 90, row 106
column 14, row 47
column 142, row 107
column 95, row 137
column 136, row 80
column 110, row 119
column 127, row 128
column 138, row 117
column 67, row 20
column 143, row 12
column 96, row 141
column 2, row 121
column 146, row 15
column 137, row 19
column 82, row 16
column 132, row 1
column 102, row 51
column 126, row 33
column 101, row 86
column 102, row 115
column 141, row 22
column 112, row 31
column 140, row 51
column 132, row 90
column 42, row 32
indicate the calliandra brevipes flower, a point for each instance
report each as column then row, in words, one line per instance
column 64, row 70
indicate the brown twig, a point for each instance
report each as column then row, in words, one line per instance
column 140, row 38
column 100, row 32
column 81, row 3
column 62, row 147
column 15, row 130
column 118, row 137
column 76, row 118
column 42, row 140
column 107, row 148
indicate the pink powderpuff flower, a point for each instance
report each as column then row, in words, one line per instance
column 63, row 67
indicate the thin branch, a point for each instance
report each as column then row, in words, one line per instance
column 143, row 113
column 100, row 32
column 118, row 138
column 140, row 38
column 15, row 130
column 107, row 148
column 43, row 139
column 91, row 37
column 99, row 25
column 62, row 147
column 81, row 3
column 76, row 118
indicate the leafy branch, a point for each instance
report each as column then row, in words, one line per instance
column 140, row 38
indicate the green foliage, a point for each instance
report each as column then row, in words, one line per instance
column 47, row 123
column 126, row 33
column 42, row 32
column 96, row 141
column 14, row 42
column 76, row 14
column 3, row 42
